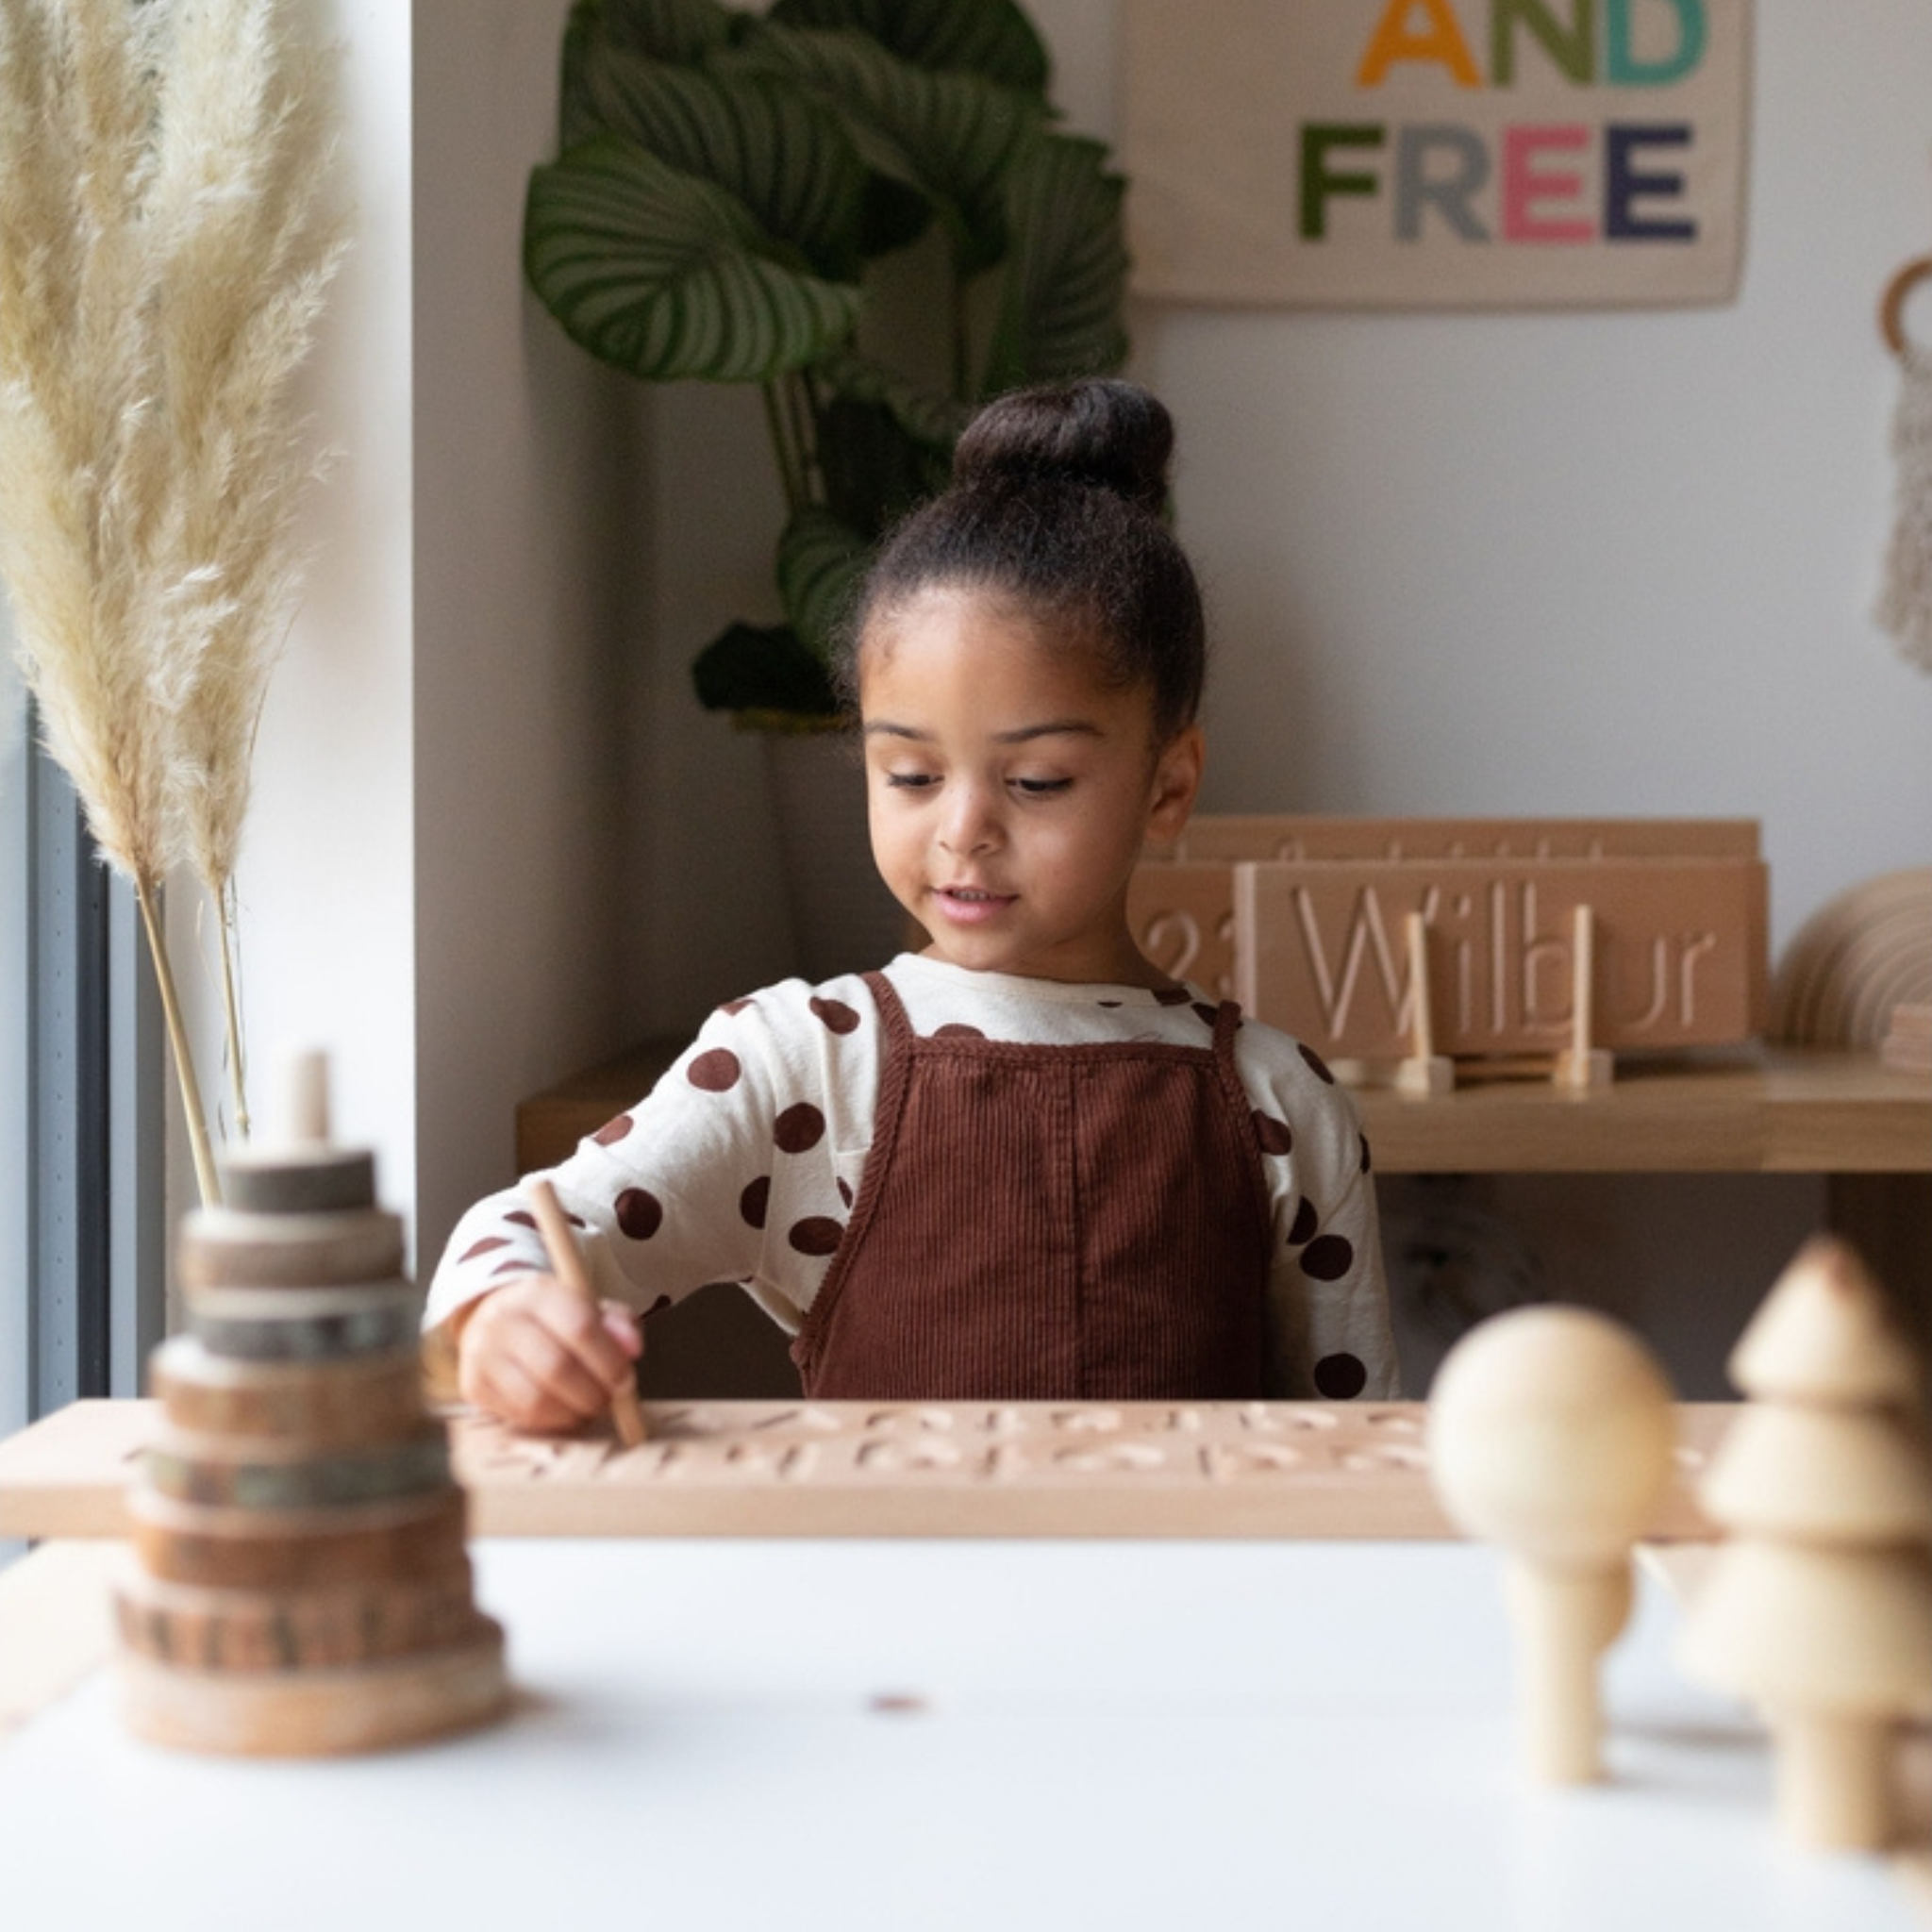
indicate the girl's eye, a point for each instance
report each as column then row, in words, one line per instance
column 1040, row 788
column 909, row 781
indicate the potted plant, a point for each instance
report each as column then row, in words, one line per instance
column 730, row 188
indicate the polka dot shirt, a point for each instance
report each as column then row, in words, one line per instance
column 744, row 1162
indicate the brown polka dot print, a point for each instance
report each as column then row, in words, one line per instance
column 1110, row 1005
column 488, row 1245
column 611, row 1132
column 519, row 1218
column 1276, row 1137
column 511, row 1268
column 837, row 1015
column 844, row 1193
column 958, row 1029
column 816, row 1235
column 1365, row 1153
column 756, row 1202
column 1306, row 1222
column 733, row 1007
column 1317, row 1065
column 1205, row 1014
column 1173, row 996
column 640, row 1213
column 1327, row 1257
column 1340, row 1377
column 716, row 1071
column 798, row 1129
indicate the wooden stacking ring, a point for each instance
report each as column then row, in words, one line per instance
column 317, row 1713
column 278, row 1326
column 232, row 1631
column 264, row 1473
column 322, row 1183
column 224, row 1247
column 327, row 1404
column 297, row 1549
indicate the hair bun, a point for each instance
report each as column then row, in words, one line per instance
column 1099, row 431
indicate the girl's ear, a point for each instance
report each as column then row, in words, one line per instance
column 1176, row 783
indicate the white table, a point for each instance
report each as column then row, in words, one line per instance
column 954, row 1735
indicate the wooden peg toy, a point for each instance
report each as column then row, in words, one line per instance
column 1551, row 1432
column 1423, row 1070
column 566, row 1264
column 1583, row 1065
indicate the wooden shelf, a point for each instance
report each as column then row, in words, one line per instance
column 1763, row 1110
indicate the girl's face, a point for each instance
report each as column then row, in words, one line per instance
column 1010, row 791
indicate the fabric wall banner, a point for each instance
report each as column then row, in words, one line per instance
column 1435, row 153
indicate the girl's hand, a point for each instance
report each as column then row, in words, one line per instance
column 533, row 1355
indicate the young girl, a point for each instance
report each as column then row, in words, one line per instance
column 1025, row 1163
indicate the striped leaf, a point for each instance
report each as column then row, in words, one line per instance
column 821, row 561
column 779, row 152
column 667, row 276
column 664, row 30
column 1066, row 278
column 990, row 38
column 950, row 136
column 873, row 471
column 931, row 419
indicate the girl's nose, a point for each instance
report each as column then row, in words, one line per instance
column 969, row 824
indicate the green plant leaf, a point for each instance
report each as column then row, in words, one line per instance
column 874, row 471
column 683, row 30
column 576, row 119
column 762, row 668
column 992, row 38
column 782, row 154
column 933, row 421
column 666, row 276
column 950, row 136
column 821, row 560
column 1066, row 280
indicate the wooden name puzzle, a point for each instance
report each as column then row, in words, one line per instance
column 732, row 1468
column 1318, row 941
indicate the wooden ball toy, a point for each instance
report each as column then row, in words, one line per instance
column 1551, row 1434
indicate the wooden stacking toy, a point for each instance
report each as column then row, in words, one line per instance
column 301, row 1585
column 1818, row 1605
column 1551, row 1432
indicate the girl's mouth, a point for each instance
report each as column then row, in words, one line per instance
column 970, row 905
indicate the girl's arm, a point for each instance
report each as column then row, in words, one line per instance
column 1329, row 1331
column 659, row 1198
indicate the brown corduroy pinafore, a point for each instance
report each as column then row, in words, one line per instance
column 1049, row 1223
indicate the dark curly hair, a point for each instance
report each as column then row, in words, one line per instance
column 1056, row 505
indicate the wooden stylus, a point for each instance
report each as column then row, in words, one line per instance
column 566, row 1264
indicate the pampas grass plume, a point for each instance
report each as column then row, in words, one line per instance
column 164, row 171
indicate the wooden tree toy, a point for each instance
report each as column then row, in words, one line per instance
column 1551, row 1432
column 302, row 1585
column 1819, row 1606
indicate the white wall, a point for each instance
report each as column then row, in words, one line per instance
column 527, row 648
